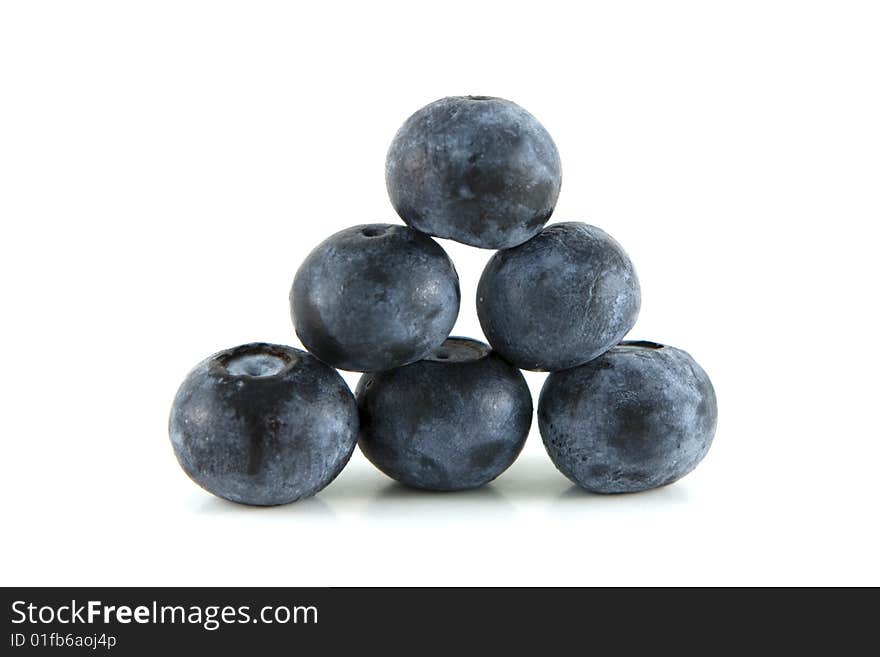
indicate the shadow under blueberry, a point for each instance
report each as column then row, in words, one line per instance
column 397, row 491
column 672, row 494
column 395, row 499
column 313, row 507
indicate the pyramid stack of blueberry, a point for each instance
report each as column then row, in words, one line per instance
column 267, row 424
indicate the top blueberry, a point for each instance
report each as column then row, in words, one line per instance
column 474, row 169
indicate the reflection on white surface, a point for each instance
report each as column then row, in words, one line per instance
column 531, row 483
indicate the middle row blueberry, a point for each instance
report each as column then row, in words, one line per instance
column 379, row 296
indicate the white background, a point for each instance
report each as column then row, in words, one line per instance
column 165, row 166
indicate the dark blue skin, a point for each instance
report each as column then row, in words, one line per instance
column 453, row 421
column 263, row 424
column 559, row 300
column 475, row 169
column 640, row 416
column 374, row 297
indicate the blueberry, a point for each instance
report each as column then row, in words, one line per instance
column 453, row 421
column 263, row 424
column 374, row 297
column 559, row 300
column 477, row 170
column 640, row 416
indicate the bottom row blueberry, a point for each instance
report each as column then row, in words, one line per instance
column 266, row 424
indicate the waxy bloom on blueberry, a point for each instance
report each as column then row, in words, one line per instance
column 475, row 169
column 640, row 416
column 455, row 420
column 559, row 300
column 373, row 297
column 263, row 424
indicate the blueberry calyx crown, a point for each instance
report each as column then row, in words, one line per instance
column 257, row 360
column 459, row 350
column 640, row 344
